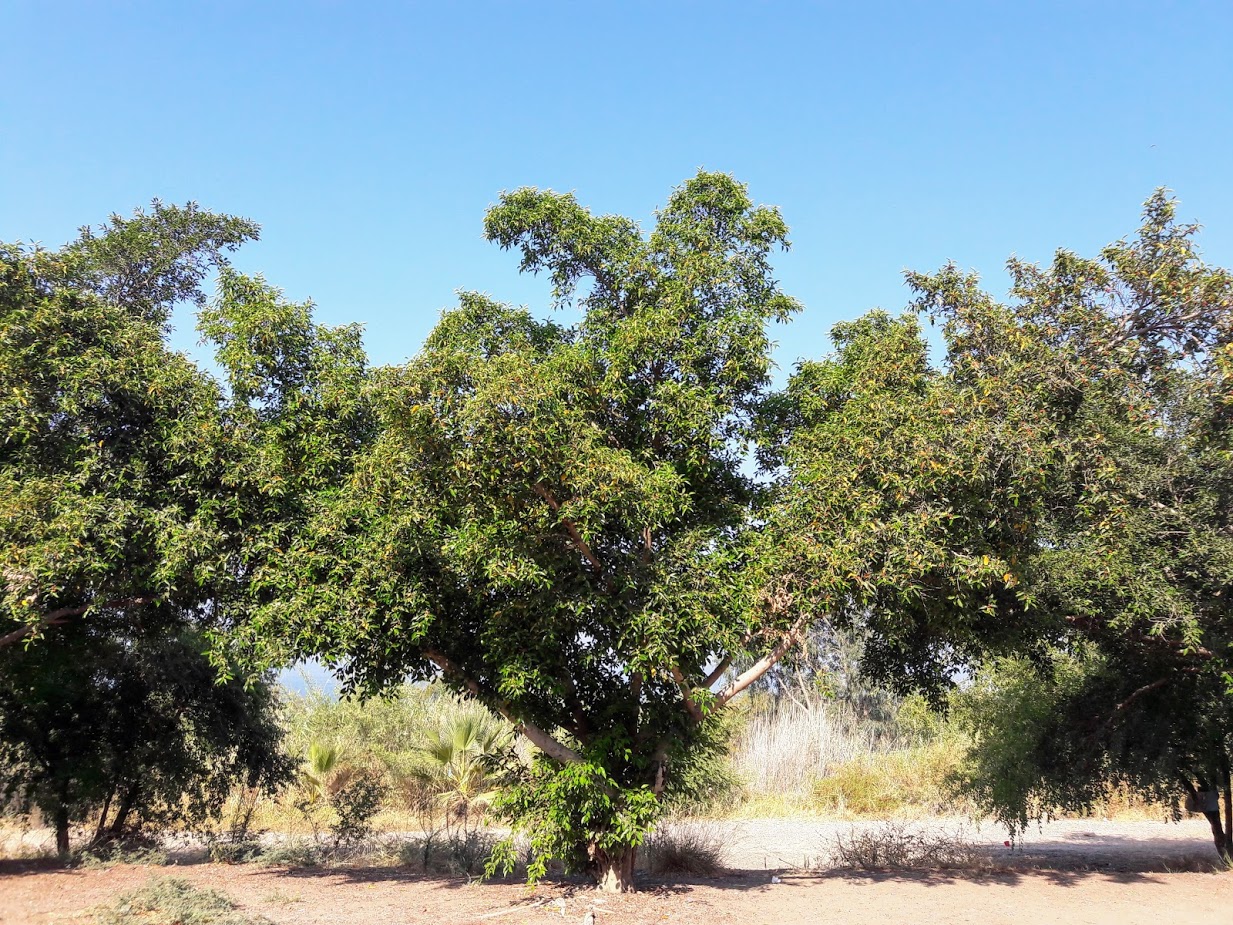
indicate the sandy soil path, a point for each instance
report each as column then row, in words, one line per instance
column 1099, row 876
column 768, row 844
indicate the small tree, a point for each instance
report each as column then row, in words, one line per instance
column 129, row 732
column 552, row 517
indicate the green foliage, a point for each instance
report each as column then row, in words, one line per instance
column 132, row 732
column 462, row 756
column 707, row 782
column 292, row 854
column 430, row 747
column 549, row 516
column 111, row 855
column 1057, row 492
column 574, row 813
column 138, row 500
column 356, row 802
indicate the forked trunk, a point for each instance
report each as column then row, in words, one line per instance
column 613, row 870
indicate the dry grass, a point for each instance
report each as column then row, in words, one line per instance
column 690, row 846
column 820, row 758
column 899, row 846
column 172, row 901
column 780, row 751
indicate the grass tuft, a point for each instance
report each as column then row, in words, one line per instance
column 688, row 847
column 172, row 901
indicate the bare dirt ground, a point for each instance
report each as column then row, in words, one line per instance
column 1073, row 872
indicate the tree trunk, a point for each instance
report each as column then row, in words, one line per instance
column 613, row 870
column 101, row 829
column 1228, row 808
column 1220, row 837
column 126, row 806
column 62, row 830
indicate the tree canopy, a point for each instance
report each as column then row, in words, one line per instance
column 1055, row 494
column 137, row 494
column 607, row 525
column 551, row 516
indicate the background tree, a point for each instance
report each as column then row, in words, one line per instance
column 137, row 496
column 111, row 464
column 1055, row 494
column 550, row 517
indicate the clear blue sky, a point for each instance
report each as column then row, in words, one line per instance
column 368, row 139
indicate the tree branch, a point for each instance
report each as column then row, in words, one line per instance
column 764, row 664
column 1180, row 646
column 1145, row 689
column 581, row 544
column 58, row 617
column 690, row 707
column 538, row 737
column 709, row 681
column 582, row 728
column 1125, row 704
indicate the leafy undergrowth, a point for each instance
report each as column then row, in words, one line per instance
column 146, row 855
column 172, row 901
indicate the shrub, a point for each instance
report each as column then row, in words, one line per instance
column 292, row 854
column 918, row 778
column 234, row 852
column 898, row 846
column 111, row 855
column 457, row 851
column 686, row 847
column 356, row 802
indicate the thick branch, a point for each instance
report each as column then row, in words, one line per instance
column 538, row 737
column 660, row 760
column 1145, row 689
column 582, row 728
column 1125, row 704
column 709, row 681
column 59, row 616
column 690, row 707
column 764, row 664
column 582, row 545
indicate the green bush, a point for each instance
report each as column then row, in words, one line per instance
column 356, row 803
column 919, row 778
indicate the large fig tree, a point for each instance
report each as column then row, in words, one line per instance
column 553, row 517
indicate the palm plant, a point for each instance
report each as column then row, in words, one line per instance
column 460, row 770
column 323, row 773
